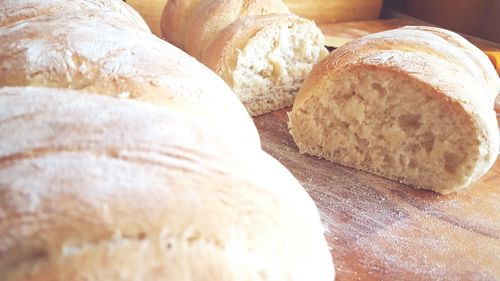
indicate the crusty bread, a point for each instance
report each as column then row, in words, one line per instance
column 210, row 17
column 266, row 58
column 136, row 162
column 192, row 24
column 413, row 104
column 15, row 10
column 261, row 50
column 88, row 191
column 96, row 51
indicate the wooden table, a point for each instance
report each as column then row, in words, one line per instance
column 382, row 230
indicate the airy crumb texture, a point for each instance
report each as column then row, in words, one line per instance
column 273, row 65
column 391, row 125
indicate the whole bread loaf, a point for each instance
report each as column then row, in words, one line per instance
column 130, row 160
column 413, row 104
column 261, row 50
column 93, row 194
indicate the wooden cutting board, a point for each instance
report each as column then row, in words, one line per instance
column 382, row 230
column 379, row 229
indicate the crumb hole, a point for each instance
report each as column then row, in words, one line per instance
column 451, row 162
column 410, row 122
column 379, row 89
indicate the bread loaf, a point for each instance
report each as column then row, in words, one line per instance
column 260, row 49
column 133, row 161
column 98, row 51
column 413, row 104
column 192, row 24
column 89, row 191
column 210, row 17
column 15, row 10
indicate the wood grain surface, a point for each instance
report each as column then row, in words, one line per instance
column 383, row 230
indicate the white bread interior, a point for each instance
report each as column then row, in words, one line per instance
column 271, row 61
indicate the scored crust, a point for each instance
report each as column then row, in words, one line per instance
column 93, row 55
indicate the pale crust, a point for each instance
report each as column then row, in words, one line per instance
column 88, row 191
column 87, row 53
column 152, row 170
column 12, row 11
column 445, row 63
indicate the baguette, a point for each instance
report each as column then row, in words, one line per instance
column 93, row 194
column 413, row 104
column 130, row 160
column 262, row 51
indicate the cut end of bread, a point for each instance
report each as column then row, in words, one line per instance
column 386, row 123
column 274, row 63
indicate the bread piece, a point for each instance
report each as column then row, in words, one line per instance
column 93, row 194
column 260, row 50
column 211, row 16
column 413, row 104
column 265, row 59
column 93, row 51
column 12, row 11
column 192, row 24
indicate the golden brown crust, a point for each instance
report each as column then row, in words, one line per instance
column 382, row 48
column 174, row 20
column 110, row 196
column 193, row 25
